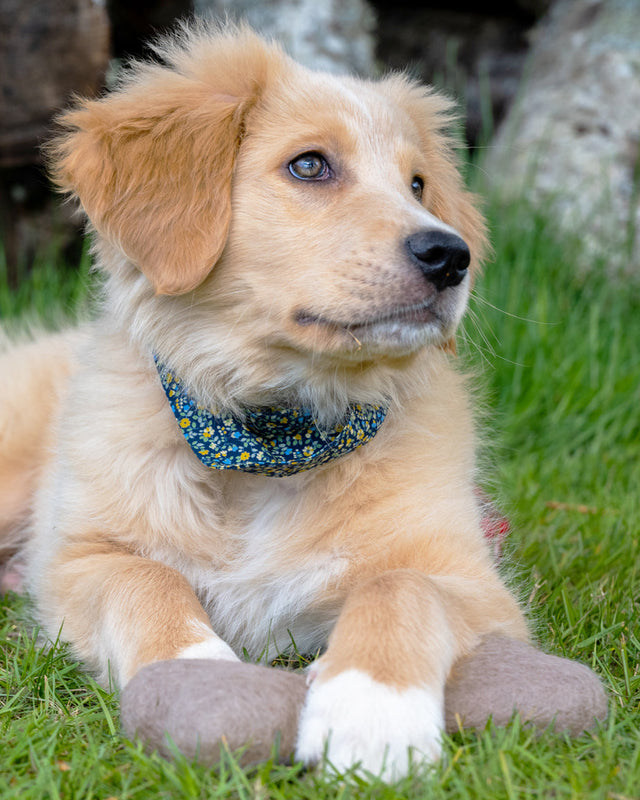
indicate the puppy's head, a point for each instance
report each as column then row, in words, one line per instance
column 285, row 220
column 350, row 219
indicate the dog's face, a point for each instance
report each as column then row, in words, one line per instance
column 335, row 226
column 290, row 224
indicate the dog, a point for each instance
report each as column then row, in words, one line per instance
column 262, row 437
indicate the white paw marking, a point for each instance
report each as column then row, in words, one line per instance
column 359, row 721
column 210, row 647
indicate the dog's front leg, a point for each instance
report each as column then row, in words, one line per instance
column 377, row 696
column 121, row 611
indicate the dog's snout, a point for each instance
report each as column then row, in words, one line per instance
column 443, row 257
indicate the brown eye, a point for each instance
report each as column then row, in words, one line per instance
column 310, row 167
column 417, row 187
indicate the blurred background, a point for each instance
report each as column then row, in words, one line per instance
column 549, row 91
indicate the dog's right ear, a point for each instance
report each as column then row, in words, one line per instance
column 152, row 162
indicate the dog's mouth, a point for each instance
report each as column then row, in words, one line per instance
column 419, row 315
column 401, row 329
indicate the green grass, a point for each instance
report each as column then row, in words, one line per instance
column 48, row 293
column 558, row 353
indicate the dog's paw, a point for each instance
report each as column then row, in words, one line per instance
column 353, row 721
column 210, row 646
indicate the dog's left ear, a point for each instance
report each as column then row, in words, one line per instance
column 152, row 162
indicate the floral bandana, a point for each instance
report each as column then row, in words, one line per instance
column 269, row 440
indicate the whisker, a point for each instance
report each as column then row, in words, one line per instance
column 479, row 298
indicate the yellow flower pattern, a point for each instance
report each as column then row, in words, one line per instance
column 268, row 440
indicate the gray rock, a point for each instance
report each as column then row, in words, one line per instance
column 331, row 35
column 572, row 140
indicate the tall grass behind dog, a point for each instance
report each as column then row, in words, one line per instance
column 273, row 238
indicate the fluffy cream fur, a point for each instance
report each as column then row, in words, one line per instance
column 257, row 288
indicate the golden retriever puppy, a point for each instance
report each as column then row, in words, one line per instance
column 261, row 437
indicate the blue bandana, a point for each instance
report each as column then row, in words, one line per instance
column 269, row 440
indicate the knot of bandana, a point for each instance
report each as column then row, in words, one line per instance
column 269, row 440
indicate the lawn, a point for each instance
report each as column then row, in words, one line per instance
column 555, row 351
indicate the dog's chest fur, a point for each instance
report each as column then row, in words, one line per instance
column 270, row 592
column 269, row 558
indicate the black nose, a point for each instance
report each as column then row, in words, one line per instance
column 443, row 257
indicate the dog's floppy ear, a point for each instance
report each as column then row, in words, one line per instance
column 152, row 162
